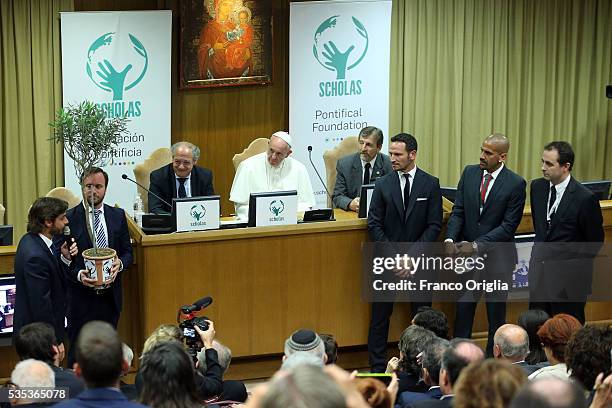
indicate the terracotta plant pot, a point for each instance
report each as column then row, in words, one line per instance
column 99, row 263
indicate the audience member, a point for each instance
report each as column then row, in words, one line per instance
column 305, row 340
column 301, row 358
column 99, row 361
column 224, row 354
column 31, row 373
column 432, row 319
column 549, row 393
column 331, row 348
column 511, row 342
column 554, row 335
column 488, row 384
column 411, row 343
column 431, row 363
column 602, row 397
column 162, row 334
column 531, row 321
column 374, row 392
column 588, row 354
column 168, row 377
column 129, row 390
column 37, row 341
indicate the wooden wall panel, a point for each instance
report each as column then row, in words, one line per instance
column 221, row 121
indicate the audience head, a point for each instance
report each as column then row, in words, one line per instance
column 411, row 343
column 128, row 356
column 279, row 148
column 224, row 355
column 305, row 340
column 163, row 334
column 184, row 156
column 37, row 341
column 99, row 355
column 588, row 354
column 374, row 392
column 370, row 142
column 168, row 377
column 550, row 393
column 308, row 386
column 31, row 373
column 511, row 342
column 432, row 319
column 300, row 358
column 47, row 215
column 459, row 354
column 331, row 348
column 488, row 384
column 531, row 320
column 403, row 152
column 432, row 360
column 554, row 335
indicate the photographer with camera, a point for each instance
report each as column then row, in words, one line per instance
column 209, row 383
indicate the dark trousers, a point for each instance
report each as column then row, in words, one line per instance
column 82, row 310
column 575, row 309
column 378, row 333
column 464, row 320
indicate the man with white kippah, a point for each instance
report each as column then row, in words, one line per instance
column 272, row 170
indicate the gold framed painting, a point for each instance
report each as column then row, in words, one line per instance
column 225, row 43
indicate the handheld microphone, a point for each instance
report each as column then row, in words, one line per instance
column 197, row 305
column 68, row 238
column 321, row 180
column 125, row 177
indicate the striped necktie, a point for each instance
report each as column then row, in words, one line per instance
column 100, row 235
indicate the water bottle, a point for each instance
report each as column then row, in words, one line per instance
column 138, row 210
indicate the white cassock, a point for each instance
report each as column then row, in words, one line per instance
column 256, row 175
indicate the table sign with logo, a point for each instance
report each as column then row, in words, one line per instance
column 339, row 63
column 273, row 208
column 196, row 213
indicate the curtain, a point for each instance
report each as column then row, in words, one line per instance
column 533, row 70
column 30, row 93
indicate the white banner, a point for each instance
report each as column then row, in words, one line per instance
column 338, row 75
column 121, row 62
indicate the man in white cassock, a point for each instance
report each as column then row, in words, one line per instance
column 272, row 170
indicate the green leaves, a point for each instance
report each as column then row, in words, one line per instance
column 360, row 28
column 87, row 135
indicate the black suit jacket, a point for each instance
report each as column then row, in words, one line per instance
column 500, row 217
column 118, row 239
column 163, row 183
column 40, row 286
column 442, row 403
column 349, row 177
column 423, row 220
column 564, row 271
column 65, row 378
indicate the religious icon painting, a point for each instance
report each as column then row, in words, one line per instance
column 225, row 43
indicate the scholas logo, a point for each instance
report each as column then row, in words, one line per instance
column 277, row 207
column 340, row 44
column 117, row 63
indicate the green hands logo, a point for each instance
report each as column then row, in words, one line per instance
column 109, row 71
column 277, row 207
column 340, row 44
column 197, row 212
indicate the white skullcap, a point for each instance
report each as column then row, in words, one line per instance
column 283, row 135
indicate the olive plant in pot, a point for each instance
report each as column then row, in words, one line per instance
column 88, row 138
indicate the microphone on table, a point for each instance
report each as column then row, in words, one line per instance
column 125, row 177
column 333, row 218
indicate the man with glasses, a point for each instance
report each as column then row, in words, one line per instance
column 272, row 170
column 179, row 179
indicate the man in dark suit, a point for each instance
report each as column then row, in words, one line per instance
column 563, row 211
column 511, row 342
column 99, row 361
column 487, row 211
column 361, row 168
column 37, row 341
column 86, row 301
column 38, row 272
column 406, row 207
column 179, row 179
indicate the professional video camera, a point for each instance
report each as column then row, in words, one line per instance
column 187, row 321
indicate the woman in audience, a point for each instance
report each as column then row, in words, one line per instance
column 168, row 377
column 531, row 321
column 162, row 334
column 588, row 354
column 554, row 335
column 374, row 392
column 488, row 384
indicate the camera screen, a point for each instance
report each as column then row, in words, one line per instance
column 189, row 333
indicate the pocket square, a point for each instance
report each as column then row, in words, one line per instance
column 422, row 199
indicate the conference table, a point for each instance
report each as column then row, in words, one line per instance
column 267, row 282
